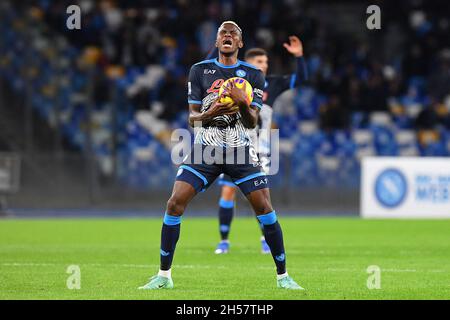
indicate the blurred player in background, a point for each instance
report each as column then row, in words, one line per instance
column 273, row 87
column 225, row 130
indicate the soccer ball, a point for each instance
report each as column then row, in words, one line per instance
column 240, row 83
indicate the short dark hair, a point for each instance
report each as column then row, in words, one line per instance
column 254, row 52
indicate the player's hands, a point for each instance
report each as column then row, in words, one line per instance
column 237, row 95
column 294, row 47
column 219, row 109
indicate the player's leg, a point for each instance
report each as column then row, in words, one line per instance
column 191, row 179
column 182, row 194
column 254, row 184
column 263, row 142
column 226, row 212
column 265, row 249
column 262, row 206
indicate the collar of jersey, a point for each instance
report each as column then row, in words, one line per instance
column 237, row 64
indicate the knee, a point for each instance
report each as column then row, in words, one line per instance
column 263, row 210
column 228, row 193
column 175, row 206
column 261, row 202
column 263, row 207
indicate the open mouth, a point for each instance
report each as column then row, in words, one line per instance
column 227, row 43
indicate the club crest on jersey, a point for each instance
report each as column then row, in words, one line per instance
column 208, row 71
column 241, row 73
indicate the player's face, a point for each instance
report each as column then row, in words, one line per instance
column 228, row 39
column 261, row 62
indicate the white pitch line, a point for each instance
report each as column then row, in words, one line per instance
column 383, row 270
column 404, row 270
column 31, row 264
column 201, row 266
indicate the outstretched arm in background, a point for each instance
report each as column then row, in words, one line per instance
column 295, row 47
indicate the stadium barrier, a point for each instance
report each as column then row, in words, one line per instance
column 405, row 187
column 9, row 177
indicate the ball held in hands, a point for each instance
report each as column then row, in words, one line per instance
column 239, row 83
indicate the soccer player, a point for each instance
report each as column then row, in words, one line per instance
column 273, row 87
column 223, row 135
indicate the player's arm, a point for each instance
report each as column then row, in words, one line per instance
column 249, row 115
column 216, row 109
column 295, row 47
column 195, row 101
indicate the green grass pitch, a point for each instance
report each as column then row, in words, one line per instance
column 327, row 256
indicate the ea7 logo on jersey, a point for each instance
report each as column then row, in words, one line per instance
column 258, row 92
column 259, row 182
column 208, row 71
